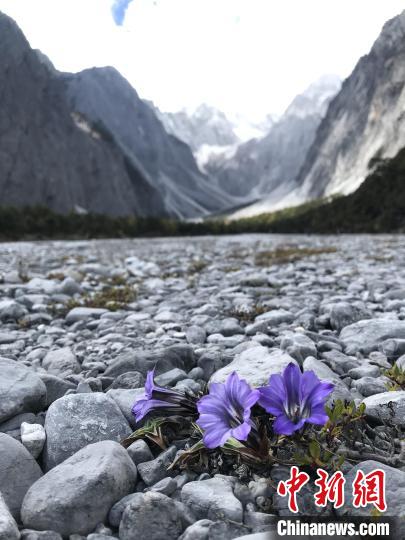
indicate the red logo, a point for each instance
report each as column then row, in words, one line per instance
column 367, row 489
column 370, row 489
column 292, row 486
column 330, row 489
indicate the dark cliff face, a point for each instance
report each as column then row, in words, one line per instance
column 365, row 120
column 107, row 99
column 45, row 158
column 87, row 141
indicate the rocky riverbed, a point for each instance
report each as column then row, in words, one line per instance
column 81, row 323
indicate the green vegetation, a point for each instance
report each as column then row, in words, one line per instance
column 288, row 254
column 397, row 378
column 376, row 207
column 111, row 298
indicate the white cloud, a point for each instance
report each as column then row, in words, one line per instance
column 247, row 56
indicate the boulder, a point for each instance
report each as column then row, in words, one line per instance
column 75, row 496
column 255, row 365
column 21, row 390
column 18, row 471
column 76, row 420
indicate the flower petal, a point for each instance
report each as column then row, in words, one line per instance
column 284, row 426
column 241, row 432
column 292, row 382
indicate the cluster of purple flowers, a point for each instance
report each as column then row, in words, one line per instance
column 293, row 397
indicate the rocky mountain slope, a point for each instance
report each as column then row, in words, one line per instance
column 211, row 133
column 108, row 100
column 45, row 158
column 86, row 142
column 261, row 167
column 365, row 121
column 377, row 206
column 204, row 126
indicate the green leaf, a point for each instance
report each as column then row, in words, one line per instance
column 314, row 449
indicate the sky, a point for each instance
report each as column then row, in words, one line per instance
column 247, row 57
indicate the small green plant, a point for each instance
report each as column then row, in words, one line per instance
column 248, row 315
column 112, row 298
column 397, row 378
column 289, row 254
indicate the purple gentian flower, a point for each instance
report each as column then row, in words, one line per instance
column 170, row 401
column 295, row 398
column 225, row 411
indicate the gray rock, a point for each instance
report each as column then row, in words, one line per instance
column 255, row 365
column 213, row 499
column 368, row 386
column 196, row 335
column 76, row 495
column 394, row 491
column 167, row 486
column 125, row 400
column 230, row 327
column 77, row 420
column 180, row 356
column 324, row 373
column 366, row 336
column 70, row 287
column 15, row 423
column 298, row 345
column 139, row 452
column 393, row 348
column 400, row 362
column 365, row 370
column 29, row 534
column 21, row 390
column 154, row 516
column 268, row 320
column 200, row 529
column 340, row 363
column 259, row 521
column 18, row 471
column 129, row 380
column 33, row 437
column 387, row 406
column 55, row 387
column 343, row 314
column 11, row 310
column 8, row 526
column 61, row 362
column 83, row 313
column 170, row 378
column 153, row 471
column 115, row 514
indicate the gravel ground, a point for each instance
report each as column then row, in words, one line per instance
column 81, row 323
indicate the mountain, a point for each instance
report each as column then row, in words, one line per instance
column 210, row 133
column 377, row 206
column 203, row 126
column 267, row 167
column 86, row 142
column 45, row 158
column 365, row 122
column 108, row 100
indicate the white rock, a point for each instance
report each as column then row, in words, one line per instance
column 255, row 365
column 33, row 437
column 387, row 406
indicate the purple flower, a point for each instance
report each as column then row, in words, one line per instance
column 171, row 402
column 225, row 411
column 295, row 398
